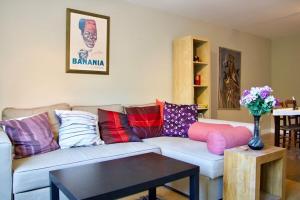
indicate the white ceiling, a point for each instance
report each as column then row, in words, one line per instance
column 266, row 18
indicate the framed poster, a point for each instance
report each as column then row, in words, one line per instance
column 87, row 43
column 229, row 79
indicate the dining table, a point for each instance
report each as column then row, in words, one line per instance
column 277, row 113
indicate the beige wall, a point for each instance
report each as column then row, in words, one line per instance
column 286, row 67
column 32, row 54
column 255, row 69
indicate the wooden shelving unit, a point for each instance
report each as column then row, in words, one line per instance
column 185, row 69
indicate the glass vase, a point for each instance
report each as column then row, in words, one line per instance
column 256, row 142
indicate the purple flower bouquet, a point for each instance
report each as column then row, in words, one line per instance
column 259, row 101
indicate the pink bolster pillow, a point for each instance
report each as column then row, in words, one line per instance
column 218, row 141
column 200, row 130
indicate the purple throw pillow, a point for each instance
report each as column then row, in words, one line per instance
column 178, row 119
column 31, row 135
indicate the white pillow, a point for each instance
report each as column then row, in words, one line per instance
column 77, row 128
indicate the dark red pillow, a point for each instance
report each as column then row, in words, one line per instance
column 114, row 127
column 145, row 121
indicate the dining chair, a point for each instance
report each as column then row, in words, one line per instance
column 293, row 121
column 285, row 131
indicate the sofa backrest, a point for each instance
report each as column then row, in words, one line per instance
column 94, row 109
column 12, row 113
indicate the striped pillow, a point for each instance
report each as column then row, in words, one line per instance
column 77, row 128
column 30, row 135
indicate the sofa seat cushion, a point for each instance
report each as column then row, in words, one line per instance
column 33, row 172
column 190, row 151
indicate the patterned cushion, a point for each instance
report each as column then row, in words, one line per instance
column 115, row 128
column 30, row 135
column 145, row 121
column 178, row 119
column 77, row 128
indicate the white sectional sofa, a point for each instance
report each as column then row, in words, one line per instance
column 27, row 178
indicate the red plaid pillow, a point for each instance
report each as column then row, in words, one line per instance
column 145, row 121
column 114, row 127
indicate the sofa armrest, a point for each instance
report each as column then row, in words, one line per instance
column 5, row 166
column 250, row 126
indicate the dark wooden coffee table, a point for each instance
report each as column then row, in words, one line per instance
column 122, row 177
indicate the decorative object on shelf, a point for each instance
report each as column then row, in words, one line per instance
column 87, row 44
column 295, row 107
column 196, row 59
column 198, row 79
column 229, row 78
column 259, row 101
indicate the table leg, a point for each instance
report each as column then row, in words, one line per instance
column 152, row 194
column 194, row 187
column 277, row 130
column 54, row 192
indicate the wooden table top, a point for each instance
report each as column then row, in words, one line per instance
column 93, row 180
column 285, row 111
column 246, row 151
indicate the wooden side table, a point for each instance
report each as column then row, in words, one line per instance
column 254, row 175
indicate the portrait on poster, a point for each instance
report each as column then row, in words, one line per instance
column 87, row 43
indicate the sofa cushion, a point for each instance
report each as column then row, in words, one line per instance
column 161, row 105
column 219, row 140
column 190, row 151
column 33, row 172
column 145, row 121
column 200, row 130
column 249, row 126
column 78, row 128
column 178, row 119
column 115, row 128
column 94, row 109
column 13, row 113
column 30, row 135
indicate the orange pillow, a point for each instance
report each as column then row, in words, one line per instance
column 161, row 105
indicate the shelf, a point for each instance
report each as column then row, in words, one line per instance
column 200, row 86
column 202, row 108
column 200, row 63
